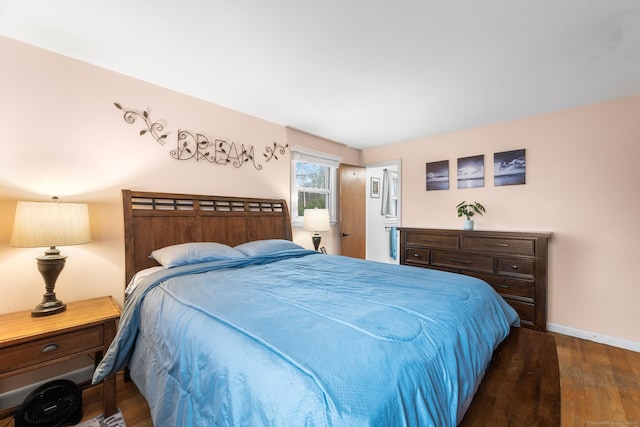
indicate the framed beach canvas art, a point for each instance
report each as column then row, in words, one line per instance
column 509, row 168
column 471, row 172
column 438, row 175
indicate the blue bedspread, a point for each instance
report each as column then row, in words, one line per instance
column 304, row 339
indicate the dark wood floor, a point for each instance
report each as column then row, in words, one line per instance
column 521, row 386
column 600, row 386
column 133, row 406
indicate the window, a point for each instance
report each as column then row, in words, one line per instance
column 313, row 183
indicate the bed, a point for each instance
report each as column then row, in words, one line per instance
column 241, row 326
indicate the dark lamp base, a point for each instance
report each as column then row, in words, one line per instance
column 48, row 308
column 50, row 265
column 316, row 240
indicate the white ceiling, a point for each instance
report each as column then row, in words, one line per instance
column 360, row 72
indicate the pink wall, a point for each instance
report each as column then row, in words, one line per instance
column 61, row 135
column 582, row 185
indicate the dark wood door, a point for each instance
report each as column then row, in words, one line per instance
column 353, row 213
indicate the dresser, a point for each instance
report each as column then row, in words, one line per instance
column 514, row 263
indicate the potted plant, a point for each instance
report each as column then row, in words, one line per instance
column 468, row 210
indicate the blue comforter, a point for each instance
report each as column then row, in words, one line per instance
column 298, row 338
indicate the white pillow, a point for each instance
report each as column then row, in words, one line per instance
column 262, row 247
column 192, row 253
column 139, row 276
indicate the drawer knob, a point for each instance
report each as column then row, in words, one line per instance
column 515, row 267
column 416, row 255
column 49, row 347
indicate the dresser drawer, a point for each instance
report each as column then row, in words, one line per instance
column 477, row 262
column 508, row 287
column 516, row 267
column 499, row 245
column 432, row 240
column 32, row 353
column 525, row 311
column 416, row 255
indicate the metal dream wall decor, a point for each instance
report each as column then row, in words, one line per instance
column 196, row 146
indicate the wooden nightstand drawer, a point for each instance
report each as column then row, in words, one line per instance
column 476, row 262
column 432, row 240
column 32, row 353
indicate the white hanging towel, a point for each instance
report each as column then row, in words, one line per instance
column 388, row 195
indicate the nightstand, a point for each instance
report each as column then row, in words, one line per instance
column 28, row 343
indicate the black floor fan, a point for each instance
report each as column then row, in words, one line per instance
column 56, row 403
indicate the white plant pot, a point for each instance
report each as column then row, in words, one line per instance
column 468, row 224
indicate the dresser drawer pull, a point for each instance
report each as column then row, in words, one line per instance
column 515, row 267
column 49, row 347
column 416, row 255
column 461, row 261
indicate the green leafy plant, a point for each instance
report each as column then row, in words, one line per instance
column 469, row 209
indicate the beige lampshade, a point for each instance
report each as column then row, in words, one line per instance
column 316, row 220
column 39, row 224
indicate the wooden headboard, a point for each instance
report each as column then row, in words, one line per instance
column 155, row 220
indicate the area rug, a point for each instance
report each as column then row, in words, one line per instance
column 114, row 420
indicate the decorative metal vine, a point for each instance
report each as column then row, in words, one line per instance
column 196, row 146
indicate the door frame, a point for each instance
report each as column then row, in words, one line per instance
column 397, row 163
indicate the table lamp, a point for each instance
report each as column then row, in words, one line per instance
column 316, row 220
column 51, row 224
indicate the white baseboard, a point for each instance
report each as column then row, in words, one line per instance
column 592, row 336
